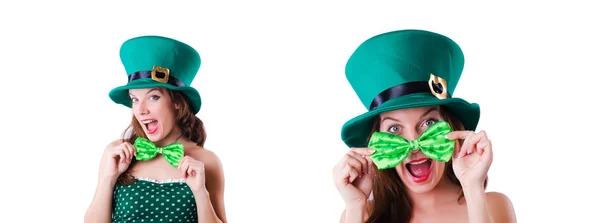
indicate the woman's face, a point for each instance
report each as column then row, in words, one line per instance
column 418, row 172
column 154, row 110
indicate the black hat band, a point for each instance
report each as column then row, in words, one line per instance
column 435, row 85
column 158, row 74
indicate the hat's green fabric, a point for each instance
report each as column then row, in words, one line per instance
column 156, row 61
column 405, row 69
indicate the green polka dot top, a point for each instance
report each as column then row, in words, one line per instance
column 151, row 201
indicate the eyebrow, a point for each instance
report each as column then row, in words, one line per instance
column 429, row 111
column 389, row 118
column 424, row 114
column 148, row 92
column 153, row 89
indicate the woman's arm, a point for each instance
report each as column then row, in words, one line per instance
column 206, row 212
column 100, row 211
column 110, row 168
column 477, row 206
column 491, row 208
column 210, row 203
column 354, row 214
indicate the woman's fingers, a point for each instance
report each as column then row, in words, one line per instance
column 127, row 152
column 363, row 151
column 353, row 165
column 369, row 165
column 482, row 146
column 119, row 151
column 184, row 166
column 466, row 135
column 132, row 151
column 471, row 141
column 363, row 162
column 352, row 174
column 459, row 135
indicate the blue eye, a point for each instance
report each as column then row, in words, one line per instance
column 154, row 97
column 394, row 129
column 429, row 122
column 133, row 100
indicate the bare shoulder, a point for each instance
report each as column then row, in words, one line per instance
column 212, row 166
column 497, row 199
column 208, row 157
column 500, row 207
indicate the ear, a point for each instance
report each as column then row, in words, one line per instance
column 177, row 106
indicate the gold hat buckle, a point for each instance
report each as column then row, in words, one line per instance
column 438, row 86
column 160, row 74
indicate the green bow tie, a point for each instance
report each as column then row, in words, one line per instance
column 391, row 150
column 146, row 150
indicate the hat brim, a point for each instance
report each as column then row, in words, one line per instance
column 120, row 95
column 356, row 131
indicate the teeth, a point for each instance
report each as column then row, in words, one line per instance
column 419, row 162
column 148, row 121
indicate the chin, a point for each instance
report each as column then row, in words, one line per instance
column 421, row 176
column 154, row 137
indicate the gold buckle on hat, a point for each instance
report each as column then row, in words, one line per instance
column 160, row 74
column 438, row 86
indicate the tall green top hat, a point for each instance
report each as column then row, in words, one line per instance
column 405, row 69
column 155, row 61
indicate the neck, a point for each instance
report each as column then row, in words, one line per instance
column 172, row 137
column 442, row 194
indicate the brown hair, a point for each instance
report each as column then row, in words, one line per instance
column 191, row 127
column 391, row 202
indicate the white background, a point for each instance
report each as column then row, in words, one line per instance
column 272, row 77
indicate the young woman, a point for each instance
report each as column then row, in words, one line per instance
column 414, row 156
column 159, row 171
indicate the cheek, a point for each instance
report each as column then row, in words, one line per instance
column 439, row 169
column 158, row 108
column 400, row 167
column 135, row 110
column 166, row 112
column 400, row 170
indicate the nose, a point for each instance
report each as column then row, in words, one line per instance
column 410, row 136
column 141, row 108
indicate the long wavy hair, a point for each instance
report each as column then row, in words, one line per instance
column 191, row 127
column 391, row 202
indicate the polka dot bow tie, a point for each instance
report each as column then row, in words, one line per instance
column 147, row 150
column 391, row 150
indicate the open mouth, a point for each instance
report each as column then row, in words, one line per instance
column 419, row 169
column 151, row 125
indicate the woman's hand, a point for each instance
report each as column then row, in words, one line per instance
column 115, row 160
column 473, row 160
column 353, row 176
column 193, row 172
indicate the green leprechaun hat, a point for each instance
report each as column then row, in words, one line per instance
column 405, row 69
column 156, row 61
